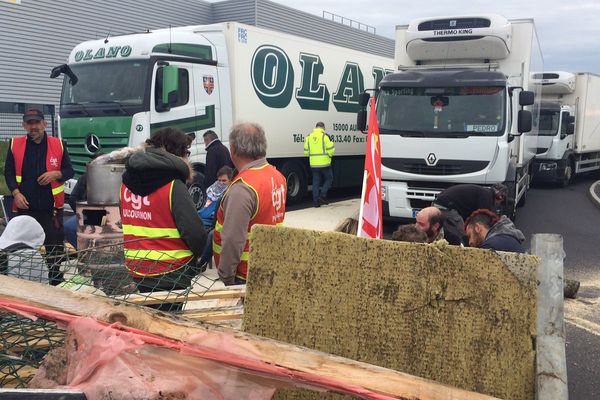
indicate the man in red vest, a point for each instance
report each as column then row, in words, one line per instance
column 35, row 170
column 255, row 196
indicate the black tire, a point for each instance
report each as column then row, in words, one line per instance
column 296, row 181
column 197, row 190
column 510, row 209
column 568, row 174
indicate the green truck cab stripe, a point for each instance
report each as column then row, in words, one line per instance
column 191, row 124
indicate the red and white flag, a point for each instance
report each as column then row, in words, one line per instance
column 370, row 221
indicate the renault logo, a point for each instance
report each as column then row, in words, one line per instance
column 431, row 159
column 92, row 143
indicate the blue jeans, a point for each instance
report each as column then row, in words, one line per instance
column 70, row 226
column 318, row 191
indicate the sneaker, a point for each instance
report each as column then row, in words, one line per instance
column 323, row 201
column 316, row 205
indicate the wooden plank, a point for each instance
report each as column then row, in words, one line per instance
column 180, row 295
column 330, row 372
column 215, row 313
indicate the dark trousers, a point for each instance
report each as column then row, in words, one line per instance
column 52, row 223
column 176, row 280
column 454, row 228
column 326, row 174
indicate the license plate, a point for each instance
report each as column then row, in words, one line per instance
column 414, row 213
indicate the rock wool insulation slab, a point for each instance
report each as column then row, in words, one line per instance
column 463, row 317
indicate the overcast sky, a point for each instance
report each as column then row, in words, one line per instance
column 568, row 30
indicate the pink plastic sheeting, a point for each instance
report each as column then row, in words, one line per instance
column 118, row 362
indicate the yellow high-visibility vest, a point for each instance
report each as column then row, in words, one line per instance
column 319, row 148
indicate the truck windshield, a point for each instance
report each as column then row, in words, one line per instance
column 102, row 89
column 450, row 111
column 549, row 123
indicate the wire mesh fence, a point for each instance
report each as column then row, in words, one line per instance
column 101, row 271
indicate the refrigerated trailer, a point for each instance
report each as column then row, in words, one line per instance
column 460, row 109
column 122, row 89
column 569, row 134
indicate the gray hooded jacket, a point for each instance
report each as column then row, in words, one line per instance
column 504, row 236
column 19, row 244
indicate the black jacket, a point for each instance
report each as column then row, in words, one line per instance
column 217, row 156
column 466, row 198
column 34, row 165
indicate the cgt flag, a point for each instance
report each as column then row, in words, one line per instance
column 370, row 222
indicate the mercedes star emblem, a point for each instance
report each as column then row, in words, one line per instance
column 92, row 143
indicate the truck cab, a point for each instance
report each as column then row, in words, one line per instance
column 459, row 110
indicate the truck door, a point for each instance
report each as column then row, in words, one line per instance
column 207, row 94
column 181, row 113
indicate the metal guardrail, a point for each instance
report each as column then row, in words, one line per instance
column 349, row 22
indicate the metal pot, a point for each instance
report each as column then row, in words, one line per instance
column 104, row 183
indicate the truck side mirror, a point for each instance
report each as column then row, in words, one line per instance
column 64, row 69
column 570, row 129
column 524, row 121
column 570, row 119
column 361, row 119
column 170, row 85
column 363, row 99
column 526, row 98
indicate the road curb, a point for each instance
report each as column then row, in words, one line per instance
column 593, row 195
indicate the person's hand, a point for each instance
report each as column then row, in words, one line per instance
column 48, row 177
column 20, row 201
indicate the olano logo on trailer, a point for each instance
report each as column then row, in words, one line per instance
column 102, row 52
column 273, row 80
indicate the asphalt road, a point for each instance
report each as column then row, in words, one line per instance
column 571, row 213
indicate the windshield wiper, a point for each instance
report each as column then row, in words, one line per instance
column 119, row 105
column 83, row 109
column 401, row 132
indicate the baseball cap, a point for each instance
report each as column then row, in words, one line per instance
column 33, row 114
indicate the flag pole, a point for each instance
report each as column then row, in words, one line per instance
column 362, row 202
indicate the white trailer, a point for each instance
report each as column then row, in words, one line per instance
column 459, row 110
column 565, row 149
column 209, row 77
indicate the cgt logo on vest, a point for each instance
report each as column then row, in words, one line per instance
column 136, row 202
column 278, row 197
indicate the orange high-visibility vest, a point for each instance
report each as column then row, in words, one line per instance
column 54, row 154
column 153, row 245
column 270, row 188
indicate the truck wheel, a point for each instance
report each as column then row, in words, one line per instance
column 296, row 181
column 566, row 178
column 197, row 190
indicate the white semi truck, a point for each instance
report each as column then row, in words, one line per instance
column 565, row 149
column 460, row 109
column 120, row 90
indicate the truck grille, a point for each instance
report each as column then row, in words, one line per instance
column 80, row 157
column 443, row 167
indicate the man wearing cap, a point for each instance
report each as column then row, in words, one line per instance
column 35, row 170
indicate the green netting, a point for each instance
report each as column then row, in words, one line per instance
column 97, row 270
